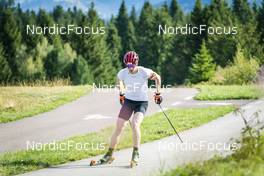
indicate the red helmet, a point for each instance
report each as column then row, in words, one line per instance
column 131, row 57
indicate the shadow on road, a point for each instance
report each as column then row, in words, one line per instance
column 87, row 166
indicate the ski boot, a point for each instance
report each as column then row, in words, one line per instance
column 135, row 158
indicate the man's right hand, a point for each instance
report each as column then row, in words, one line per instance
column 122, row 98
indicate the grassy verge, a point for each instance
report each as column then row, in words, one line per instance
column 240, row 163
column 153, row 128
column 248, row 160
column 213, row 92
column 23, row 101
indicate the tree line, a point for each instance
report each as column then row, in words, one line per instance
column 85, row 59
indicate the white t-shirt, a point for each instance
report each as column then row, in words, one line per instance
column 136, row 84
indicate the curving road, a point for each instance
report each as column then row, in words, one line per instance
column 87, row 114
column 200, row 144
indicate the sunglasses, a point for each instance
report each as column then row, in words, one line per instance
column 130, row 65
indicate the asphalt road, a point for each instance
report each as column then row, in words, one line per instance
column 87, row 114
column 200, row 144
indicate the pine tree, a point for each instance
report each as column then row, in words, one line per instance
column 126, row 30
column 165, row 7
column 44, row 19
column 180, row 59
column 145, row 32
column 133, row 16
column 255, row 8
column 59, row 61
column 161, row 44
column 58, row 15
column 197, row 19
column 218, row 14
column 31, row 40
column 4, row 4
column 114, row 44
column 248, row 37
column 5, row 71
column 40, row 53
column 30, row 64
column 80, row 72
column 176, row 11
column 10, row 37
column 197, row 13
column 122, row 22
column 260, row 20
column 95, row 51
column 242, row 10
column 130, row 36
column 202, row 68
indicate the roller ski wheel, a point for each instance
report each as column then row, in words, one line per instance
column 102, row 161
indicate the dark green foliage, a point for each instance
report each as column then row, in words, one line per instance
column 260, row 19
column 248, row 35
column 202, row 68
column 255, row 7
column 242, row 10
column 197, row 14
column 218, row 14
column 133, row 16
column 45, row 20
column 81, row 73
column 10, row 37
column 126, row 29
column 145, row 32
column 58, row 15
column 5, row 71
column 179, row 61
column 98, row 57
column 39, row 57
column 176, row 11
column 114, row 44
column 161, row 44
column 6, row 3
column 29, row 18
column 58, row 62
column 197, row 19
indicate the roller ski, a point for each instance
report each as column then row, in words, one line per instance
column 135, row 159
column 107, row 159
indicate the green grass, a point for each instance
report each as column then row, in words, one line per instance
column 153, row 128
column 246, row 161
column 24, row 101
column 213, row 92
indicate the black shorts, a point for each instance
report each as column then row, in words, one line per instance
column 129, row 107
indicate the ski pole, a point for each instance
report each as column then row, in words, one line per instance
column 170, row 123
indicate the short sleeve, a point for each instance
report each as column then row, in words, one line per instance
column 120, row 75
column 148, row 72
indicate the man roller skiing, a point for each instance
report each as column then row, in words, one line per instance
column 133, row 87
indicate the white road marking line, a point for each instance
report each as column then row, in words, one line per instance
column 189, row 98
column 176, row 103
column 96, row 117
